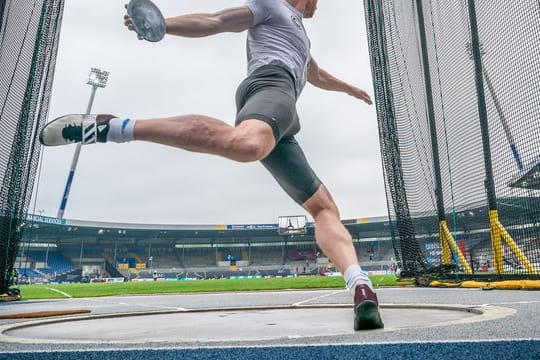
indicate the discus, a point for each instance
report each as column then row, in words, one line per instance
column 147, row 20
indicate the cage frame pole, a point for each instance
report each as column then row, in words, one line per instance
column 411, row 261
column 497, row 230
column 448, row 243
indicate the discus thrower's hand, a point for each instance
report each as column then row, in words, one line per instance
column 129, row 24
column 360, row 94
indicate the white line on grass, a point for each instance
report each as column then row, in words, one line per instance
column 60, row 292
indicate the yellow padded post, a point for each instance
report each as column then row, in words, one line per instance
column 445, row 249
column 516, row 250
column 496, row 241
column 498, row 233
column 450, row 242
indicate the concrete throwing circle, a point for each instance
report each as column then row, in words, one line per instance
column 237, row 324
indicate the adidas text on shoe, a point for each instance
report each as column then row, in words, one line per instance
column 366, row 309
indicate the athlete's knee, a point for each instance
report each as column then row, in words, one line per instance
column 321, row 201
column 251, row 149
column 253, row 140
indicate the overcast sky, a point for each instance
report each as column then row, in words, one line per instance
column 149, row 183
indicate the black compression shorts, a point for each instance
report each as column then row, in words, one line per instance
column 269, row 95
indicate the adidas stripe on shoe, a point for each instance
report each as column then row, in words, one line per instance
column 74, row 128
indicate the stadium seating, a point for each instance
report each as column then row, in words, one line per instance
column 266, row 256
column 28, row 274
column 199, row 257
column 165, row 258
column 301, row 254
column 46, row 264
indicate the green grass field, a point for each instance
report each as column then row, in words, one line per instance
column 30, row 292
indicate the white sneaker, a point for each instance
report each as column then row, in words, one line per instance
column 74, row 128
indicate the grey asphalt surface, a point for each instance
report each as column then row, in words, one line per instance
column 272, row 318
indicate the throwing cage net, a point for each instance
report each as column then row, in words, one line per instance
column 29, row 31
column 456, row 89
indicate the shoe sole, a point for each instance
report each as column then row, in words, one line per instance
column 367, row 316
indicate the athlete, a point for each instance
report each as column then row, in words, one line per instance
column 279, row 65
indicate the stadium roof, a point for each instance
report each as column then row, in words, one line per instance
column 49, row 227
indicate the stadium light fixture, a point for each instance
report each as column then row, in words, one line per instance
column 98, row 77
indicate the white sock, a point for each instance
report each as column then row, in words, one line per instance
column 121, row 130
column 354, row 275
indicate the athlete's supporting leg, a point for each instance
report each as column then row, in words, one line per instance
column 331, row 235
column 336, row 242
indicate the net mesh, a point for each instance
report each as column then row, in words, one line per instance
column 496, row 232
column 28, row 45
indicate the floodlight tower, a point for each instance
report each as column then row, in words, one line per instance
column 97, row 79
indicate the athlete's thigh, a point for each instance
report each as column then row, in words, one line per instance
column 289, row 166
column 275, row 108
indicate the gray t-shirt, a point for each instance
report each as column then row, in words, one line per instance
column 278, row 37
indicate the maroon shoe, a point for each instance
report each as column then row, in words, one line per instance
column 366, row 309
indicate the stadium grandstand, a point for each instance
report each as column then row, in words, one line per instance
column 64, row 250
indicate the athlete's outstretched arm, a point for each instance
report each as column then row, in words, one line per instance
column 235, row 19
column 198, row 25
column 323, row 79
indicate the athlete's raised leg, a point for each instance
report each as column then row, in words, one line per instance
column 250, row 140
